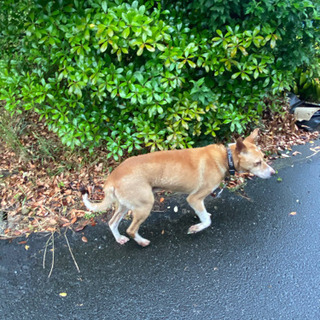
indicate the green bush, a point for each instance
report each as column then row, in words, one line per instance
column 160, row 74
column 307, row 84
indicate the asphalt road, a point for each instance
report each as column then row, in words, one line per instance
column 259, row 260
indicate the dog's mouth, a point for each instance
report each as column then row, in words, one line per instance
column 267, row 173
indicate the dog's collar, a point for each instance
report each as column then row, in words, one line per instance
column 232, row 169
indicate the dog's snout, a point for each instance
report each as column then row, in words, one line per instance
column 272, row 172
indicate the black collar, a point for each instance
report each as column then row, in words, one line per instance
column 232, row 169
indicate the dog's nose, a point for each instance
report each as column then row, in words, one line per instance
column 272, row 171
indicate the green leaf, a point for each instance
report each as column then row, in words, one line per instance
column 140, row 51
column 233, row 52
column 266, row 82
column 87, row 34
column 114, row 93
column 101, row 28
column 110, row 32
column 104, row 6
column 244, row 76
column 235, row 75
column 219, row 32
column 126, row 33
column 161, row 47
column 104, row 47
column 150, row 48
column 181, row 64
column 191, row 64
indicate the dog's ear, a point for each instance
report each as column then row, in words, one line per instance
column 240, row 146
column 253, row 138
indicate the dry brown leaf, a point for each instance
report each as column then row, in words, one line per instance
column 73, row 221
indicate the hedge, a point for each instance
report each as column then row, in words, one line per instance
column 155, row 74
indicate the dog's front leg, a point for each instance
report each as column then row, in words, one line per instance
column 196, row 203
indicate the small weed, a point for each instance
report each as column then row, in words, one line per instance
column 11, row 130
column 61, row 184
column 91, row 215
column 46, row 149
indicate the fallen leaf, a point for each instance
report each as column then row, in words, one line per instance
column 81, row 225
column 63, row 294
column 74, row 220
column 161, row 200
column 22, row 242
column 175, row 209
column 162, row 232
column 26, row 247
column 84, row 239
column 295, row 153
column 53, row 222
column 66, row 224
column 293, row 213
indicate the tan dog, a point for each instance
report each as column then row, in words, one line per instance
column 196, row 172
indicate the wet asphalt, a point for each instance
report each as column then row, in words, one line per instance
column 260, row 259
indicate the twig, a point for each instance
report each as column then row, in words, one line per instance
column 315, row 152
column 242, row 194
column 52, row 263
column 49, row 210
column 73, row 258
column 45, row 253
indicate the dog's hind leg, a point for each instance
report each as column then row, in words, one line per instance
column 141, row 210
column 139, row 216
column 114, row 224
column 196, row 203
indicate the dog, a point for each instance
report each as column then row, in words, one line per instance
column 196, row 172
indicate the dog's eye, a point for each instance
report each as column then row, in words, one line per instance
column 257, row 164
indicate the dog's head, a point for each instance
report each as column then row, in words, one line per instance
column 249, row 158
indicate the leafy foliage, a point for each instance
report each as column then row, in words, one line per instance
column 147, row 73
column 307, row 84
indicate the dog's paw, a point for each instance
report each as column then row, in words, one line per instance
column 195, row 228
column 144, row 243
column 122, row 240
column 141, row 241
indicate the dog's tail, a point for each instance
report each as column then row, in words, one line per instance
column 105, row 204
